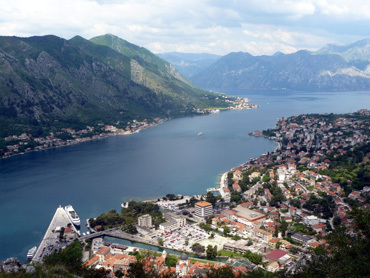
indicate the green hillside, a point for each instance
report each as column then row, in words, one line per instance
column 48, row 83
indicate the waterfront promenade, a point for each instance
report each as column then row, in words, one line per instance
column 51, row 240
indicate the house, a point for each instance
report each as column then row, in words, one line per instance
column 279, row 256
column 268, row 194
column 302, row 238
column 273, row 267
column 264, row 235
column 236, row 187
column 292, row 211
column 92, row 262
column 254, row 175
column 319, row 227
column 310, row 220
column 247, row 204
column 103, row 253
column 273, row 242
column 285, row 245
column 237, row 175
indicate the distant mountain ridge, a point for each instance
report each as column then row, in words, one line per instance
column 48, row 82
column 189, row 64
column 302, row 70
column 359, row 50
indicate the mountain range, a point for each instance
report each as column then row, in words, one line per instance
column 331, row 68
column 189, row 64
column 49, row 82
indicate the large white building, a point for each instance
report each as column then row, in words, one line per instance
column 145, row 220
column 311, row 220
column 203, row 209
column 172, row 225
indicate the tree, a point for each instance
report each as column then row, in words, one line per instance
column 205, row 227
column 209, row 219
column 171, row 197
column 119, row 273
column 136, row 270
column 255, row 202
column 211, row 252
column 226, row 230
column 253, row 257
column 61, row 234
column 160, row 241
column 211, row 198
column 171, row 260
column 225, row 271
column 294, row 250
column 197, row 248
column 131, row 229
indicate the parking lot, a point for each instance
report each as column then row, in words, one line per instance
column 176, row 239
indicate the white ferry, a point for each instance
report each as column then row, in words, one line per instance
column 73, row 216
column 31, row 253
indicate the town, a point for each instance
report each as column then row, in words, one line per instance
column 267, row 213
column 278, row 205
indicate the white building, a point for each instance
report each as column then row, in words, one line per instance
column 311, row 220
column 172, row 225
column 145, row 220
column 203, row 209
column 281, row 174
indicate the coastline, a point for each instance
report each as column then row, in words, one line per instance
column 135, row 127
column 86, row 139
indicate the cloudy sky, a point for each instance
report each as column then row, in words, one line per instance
column 197, row 26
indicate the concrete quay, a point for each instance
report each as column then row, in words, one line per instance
column 51, row 240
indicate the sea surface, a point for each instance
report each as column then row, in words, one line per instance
column 98, row 176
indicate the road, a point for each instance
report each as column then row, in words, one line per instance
column 117, row 233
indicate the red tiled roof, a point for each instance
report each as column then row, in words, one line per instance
column 203, row 204
column 276, row 254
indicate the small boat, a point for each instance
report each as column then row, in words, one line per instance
column 200, row 134
column 31, row 253
column 73, row 216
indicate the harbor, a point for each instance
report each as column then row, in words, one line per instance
column 58, row 233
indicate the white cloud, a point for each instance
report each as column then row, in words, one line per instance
column 217, row 26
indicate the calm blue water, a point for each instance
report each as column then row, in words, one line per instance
column 97, row 176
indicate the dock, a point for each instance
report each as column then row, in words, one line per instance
column 51, row 240
column 213, row 189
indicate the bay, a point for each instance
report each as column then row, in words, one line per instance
column 97, row 176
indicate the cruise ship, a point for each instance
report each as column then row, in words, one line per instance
column 73, row 216
column 31, row 253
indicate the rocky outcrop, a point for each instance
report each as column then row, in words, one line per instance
column 12, row 265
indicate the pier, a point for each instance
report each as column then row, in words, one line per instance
column 213, row 189
column 51, row 240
